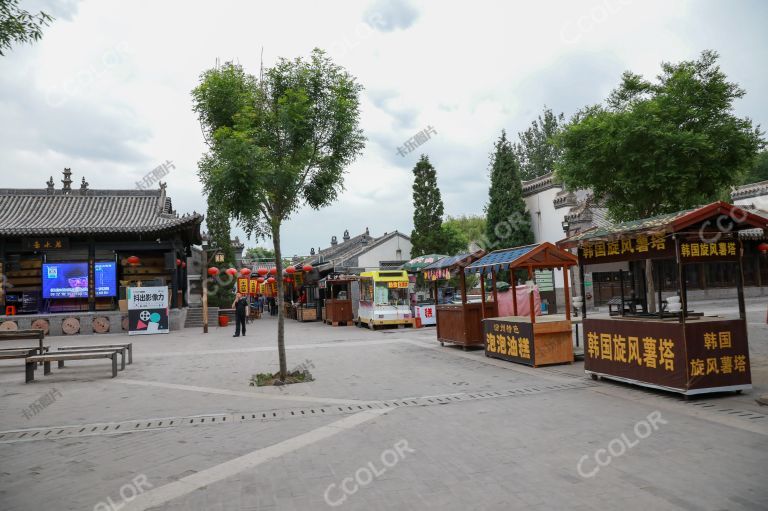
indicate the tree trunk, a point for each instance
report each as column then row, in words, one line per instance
column 650, row 286
column 280, row 294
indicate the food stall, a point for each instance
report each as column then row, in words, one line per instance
column 338, row 300
column 527, row 339
column 674, row 349
column 457, row 323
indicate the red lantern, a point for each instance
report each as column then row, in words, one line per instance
column 231, row 272
column 273, row 271
column 260, row 280
column 763, row 247
column 288, row 280
column 245, row 271
column 262, row 271
column 307, row 268
column 290, row 269
column 133, row 260
column 178, row 262
column 271, row 280
column 213, row 271
column 183, row 264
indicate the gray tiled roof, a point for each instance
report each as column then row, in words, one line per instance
column 90, row 212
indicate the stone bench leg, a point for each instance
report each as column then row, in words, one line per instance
column 61, row 364
column 130, row 353
column 122, row 360
column 30, row 371
column 47, row 367
column 114, row 364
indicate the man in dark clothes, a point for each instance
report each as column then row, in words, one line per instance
column 241, row 306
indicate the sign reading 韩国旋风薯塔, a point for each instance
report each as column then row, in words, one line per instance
column 657, row 246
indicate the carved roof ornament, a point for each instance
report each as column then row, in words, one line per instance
column 67, row 181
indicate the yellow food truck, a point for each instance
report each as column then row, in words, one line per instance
column 384, row 299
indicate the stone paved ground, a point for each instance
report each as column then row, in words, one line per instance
column 478, row 450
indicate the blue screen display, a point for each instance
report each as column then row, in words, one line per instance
column 70, row 280
column 105, row 275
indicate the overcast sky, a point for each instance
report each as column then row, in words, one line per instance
column 107, row 90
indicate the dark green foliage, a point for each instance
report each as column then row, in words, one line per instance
column 537, row 151
column 758, row 171
column 507, row 221
column 660, row 147
column 19, row 26
column 427, row 236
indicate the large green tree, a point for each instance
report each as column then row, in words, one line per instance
column 427, row 236
column 537, row 151
column 471, row 228
column 661, row 146
column 19, row 26
column 508, row 223
column 758, row 171
column 276, row 143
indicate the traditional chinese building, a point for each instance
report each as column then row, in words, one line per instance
column 354, row 254
column 67, row 254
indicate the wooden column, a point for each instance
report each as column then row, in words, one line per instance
column 740, row 279
column 482, row 295
column 582, row 285
column 530, row 297
column 513, row 278
column 567, row 290
column 204, row 286
column 463, row 288
column 91, row 276
column 495, row 291
column 680, row 278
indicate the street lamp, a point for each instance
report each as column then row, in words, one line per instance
column 566, row 225
column 219, row 257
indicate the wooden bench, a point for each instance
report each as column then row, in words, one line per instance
column 25, row 334
column 127, row 345
column 120, row 349
column 7, row 354
column 31, row 362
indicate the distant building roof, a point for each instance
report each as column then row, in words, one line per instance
column 750, row 190
column 346, row 253
column 98, row 213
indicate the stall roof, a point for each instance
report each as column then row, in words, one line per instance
column 455, row 262
column 671, row 222
column 539, row 255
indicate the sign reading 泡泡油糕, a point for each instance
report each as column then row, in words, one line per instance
column 509, row 340
column 147, row 310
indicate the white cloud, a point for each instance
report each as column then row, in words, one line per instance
column 468, row 69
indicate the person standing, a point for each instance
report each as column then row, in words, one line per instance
column 241, row 307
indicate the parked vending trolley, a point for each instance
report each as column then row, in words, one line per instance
column 338, row 301
column 674, row 349
column 384, row 299
column 527, row 339
column 456, row 323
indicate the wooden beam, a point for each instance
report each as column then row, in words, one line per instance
column 530, row 297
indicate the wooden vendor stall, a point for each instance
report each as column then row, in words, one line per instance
column 338, row 301
column 527, row 339
column 456, row 323
column 674, row 349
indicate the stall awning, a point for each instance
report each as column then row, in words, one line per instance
column 540, row 255
column 442, row 269
column 710, row 218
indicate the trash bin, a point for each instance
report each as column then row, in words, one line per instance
column 223, row 320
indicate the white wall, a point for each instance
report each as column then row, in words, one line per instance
column 386, row 251
column 546, row 221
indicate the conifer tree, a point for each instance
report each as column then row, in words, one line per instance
column 427, row 236
column 508, row 222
